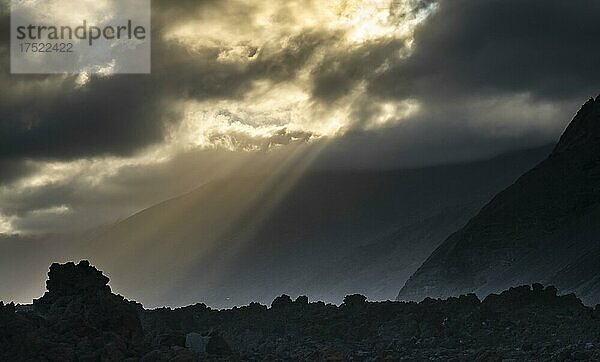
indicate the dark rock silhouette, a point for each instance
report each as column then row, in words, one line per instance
column 355, row 300
column 584, row 129
column 70, row 279
column 79, row 319
column 543, row 228
column 282, row 302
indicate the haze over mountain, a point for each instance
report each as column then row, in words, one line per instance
column 543, row 228
column 250, row 99
column 238, row 240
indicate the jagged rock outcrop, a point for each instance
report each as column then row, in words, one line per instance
column 79, row 319
column 78, row 296
column 72, row 280
column 541, row 229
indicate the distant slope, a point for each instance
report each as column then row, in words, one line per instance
column 323, row 234
column 545, row 227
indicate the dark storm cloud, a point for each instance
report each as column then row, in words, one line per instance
column 11, row 170
column 340, row 70
column 120, row 114
column 49, row 196
column 466, row 49
column 490, row 47
column 430, row 139
column 49, row 117
column 132, row 188
column 114, row 115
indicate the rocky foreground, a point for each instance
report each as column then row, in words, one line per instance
column 79, row 319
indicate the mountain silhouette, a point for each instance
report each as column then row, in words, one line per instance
column 325, row 234
column 543, row 228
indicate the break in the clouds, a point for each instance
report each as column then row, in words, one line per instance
column 225, row 67
column 371, row 83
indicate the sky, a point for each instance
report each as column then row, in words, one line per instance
column 240, row 86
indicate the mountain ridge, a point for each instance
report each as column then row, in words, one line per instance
column 241, row 233
column 532, row 220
